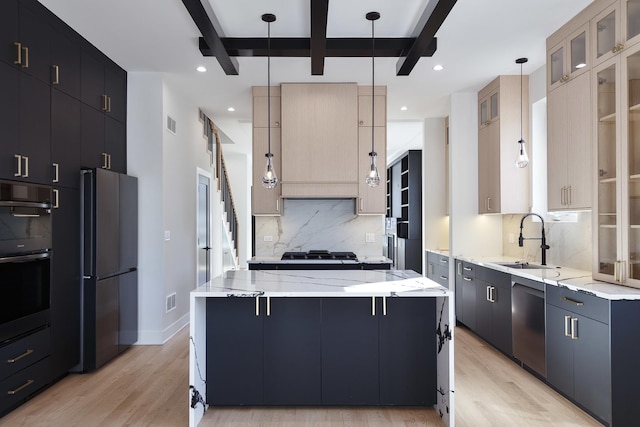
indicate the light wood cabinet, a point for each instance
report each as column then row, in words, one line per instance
column 502, row 187
column 364, row 106
column 567, row 56
column 616, row 27
column 320, row 140
column 265, row 201
column 616, row 88
column 569, row 145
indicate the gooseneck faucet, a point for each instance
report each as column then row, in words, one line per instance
column 542, row 238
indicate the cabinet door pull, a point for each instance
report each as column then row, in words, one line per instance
column 22, row 356
column 268, row 306
column 567, row 325
column 373, row 306
column 109, row 164
column 466, row 279
column 22, row 387
column 25, row 64
column 493, row 294
column 489, row 204
column 444, row 260
column 276, row 124
column 384, row 306
column 562, row 202
column 569, row 192
column 257, row 306
column 56, row 169
column 488, row 293
column 459, row 268
column 574, row 328
column 26, row 166
column 277, row 205
column 19, row 168
column 18, row 60
column 615, row 271
column 104, row 102
column 108, row 104
column 361, row 204
column 104, row 161
column 572, row 301
column 56, row 196
column 56, row 75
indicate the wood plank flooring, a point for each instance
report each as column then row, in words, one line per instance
column 147, row 386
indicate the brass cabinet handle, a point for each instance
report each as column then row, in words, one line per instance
column 104, row 161
column 574, row 328
column 108, row 104
column 22, row 356
column 56, row 75
column 19, row 168
column 26, row 57
column 104, row 102
column 56, row 168
column 26, row 166
column 109, row 158
column 567, row 325
column 361, row 123
column 23, row 386
column 277, row 124
column 572, row 301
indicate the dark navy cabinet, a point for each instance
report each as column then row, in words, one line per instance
column 321, row 351
column 466, row 294
column 65, row 140
column 493, row 304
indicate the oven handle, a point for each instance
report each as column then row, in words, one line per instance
column 14, row 203
column 25, row 258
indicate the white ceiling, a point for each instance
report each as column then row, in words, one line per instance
column 478, row 41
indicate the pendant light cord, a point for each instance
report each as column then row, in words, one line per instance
column 269, row 91
column 373, row 77
column 521, row 101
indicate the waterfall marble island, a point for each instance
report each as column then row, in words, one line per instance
column 321, row 338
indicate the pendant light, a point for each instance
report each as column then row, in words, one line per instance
column 373, row 177
column 523, row 160
column 269, row 179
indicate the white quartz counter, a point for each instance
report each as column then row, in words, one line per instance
column 577, row 280
column 322, row 283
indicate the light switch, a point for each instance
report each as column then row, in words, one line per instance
column 167, row 235
column 512, row 238
column 268, row 238
column 370, row 238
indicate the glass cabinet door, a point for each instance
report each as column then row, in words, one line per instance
column 632, row 19
column 484, row 113
column 578, row 52
column 607, row 170
column 606, row 34
column 556, row 69
column 633, row 131
column 495, row 107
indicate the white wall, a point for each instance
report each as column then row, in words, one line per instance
column 166, row 166
column 436, row 222
column 470, row 233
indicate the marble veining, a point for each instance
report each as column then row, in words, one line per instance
column 330, row 224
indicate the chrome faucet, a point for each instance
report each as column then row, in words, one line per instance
column 542, row 238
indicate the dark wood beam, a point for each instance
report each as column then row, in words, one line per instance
column 217, row 49
column 319, row 12
column 301, row 47
column 432, row 18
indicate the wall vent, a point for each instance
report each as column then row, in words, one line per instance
column 171, row 302
column 171, row 125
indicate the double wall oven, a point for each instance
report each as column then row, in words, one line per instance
column 25, row 258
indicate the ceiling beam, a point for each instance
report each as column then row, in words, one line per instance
column 217, row 49
column 432, row 18
column 319, row 13
column 335, row 47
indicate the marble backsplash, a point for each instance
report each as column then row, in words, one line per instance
column 570, row 242
column 330, row 224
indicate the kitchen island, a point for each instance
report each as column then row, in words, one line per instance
column 321, row 337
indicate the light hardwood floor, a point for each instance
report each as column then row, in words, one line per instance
column 147, row 386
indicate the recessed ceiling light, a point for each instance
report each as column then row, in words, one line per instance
column 201, row 69
column 438, row 67
column 231, row 109
column 403, row 108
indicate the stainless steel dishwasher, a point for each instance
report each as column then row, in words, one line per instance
column 528, row 325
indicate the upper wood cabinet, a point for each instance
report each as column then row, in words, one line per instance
column 265, row 201
column 615, row 28
column 569, row 148
column 568, row 57
column 364, row 106
column 320, row 140
column 488, row 108
column 502, row 187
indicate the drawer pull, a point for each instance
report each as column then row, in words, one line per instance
column 466, row 279
column 22, row 356
column 572, row 301
column 444, row 278
column 467, row 268
column 22, row 387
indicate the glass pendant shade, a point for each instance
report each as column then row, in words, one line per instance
column 373, row 177
column 523, row 160
column 269, row 178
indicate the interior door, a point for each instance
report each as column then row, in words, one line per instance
column 204, row 232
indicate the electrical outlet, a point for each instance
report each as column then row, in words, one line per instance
column 167, row 235
column 370, row 238
column 512, row 238
column 268, row 238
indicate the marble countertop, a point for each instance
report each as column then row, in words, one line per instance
column 577, row 280
column 320, row 283
column 363, row 260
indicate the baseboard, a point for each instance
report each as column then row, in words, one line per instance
column 156, row 337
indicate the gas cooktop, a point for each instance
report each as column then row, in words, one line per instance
column 319, row 254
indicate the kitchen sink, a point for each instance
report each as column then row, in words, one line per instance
column 523, row 265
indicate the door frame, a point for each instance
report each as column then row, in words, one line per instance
column 201, row 173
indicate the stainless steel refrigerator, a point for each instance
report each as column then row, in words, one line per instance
column 110, row 259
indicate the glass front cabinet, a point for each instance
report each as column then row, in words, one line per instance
column 614, row 29
column 568, row 58
column 616, row 85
